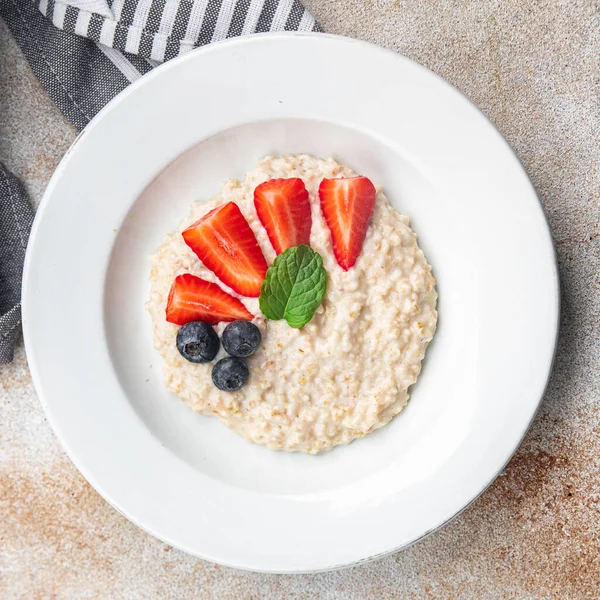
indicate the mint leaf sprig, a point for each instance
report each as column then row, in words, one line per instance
column 294, row 287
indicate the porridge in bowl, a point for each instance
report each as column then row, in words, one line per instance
column 311, row 350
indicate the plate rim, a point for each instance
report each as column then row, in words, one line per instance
column 28, row 335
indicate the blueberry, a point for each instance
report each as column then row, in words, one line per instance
column 241, row 338
column 197, row 342
column 230, row 374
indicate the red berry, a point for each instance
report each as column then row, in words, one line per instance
column 194, row 299
column 347, row 205
column 284, row 210
column 224, row 242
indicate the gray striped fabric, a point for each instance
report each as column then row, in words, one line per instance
column 15, row 222
column 163, row 29
column 84, row 52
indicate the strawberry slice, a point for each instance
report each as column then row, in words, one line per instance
column 224, row 242
column 195, row 299
column 284, row 210
column 347, row 204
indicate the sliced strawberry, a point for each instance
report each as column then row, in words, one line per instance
column 195, row 299
column 347, row 204
column 224, row 242
column 284, row 210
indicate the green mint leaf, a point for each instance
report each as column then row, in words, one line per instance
column 294, row 286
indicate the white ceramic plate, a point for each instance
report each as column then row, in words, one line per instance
column 172, row 138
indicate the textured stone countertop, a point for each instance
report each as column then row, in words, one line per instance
column 533, row 68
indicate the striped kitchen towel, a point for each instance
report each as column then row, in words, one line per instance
column 84, row 52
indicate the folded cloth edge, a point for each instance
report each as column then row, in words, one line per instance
column 16, row 218
column 214, row 21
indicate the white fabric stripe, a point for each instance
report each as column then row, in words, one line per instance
column 195, row 21
column 107, row 33
column 117, row 7
column 142, row 10
column 254, row 11
column 168, row 18
column 307, row 22
column 95, row 6
column 223, row 20
column 282, row 12
column 44, row 7
column 58, row 18
column 82, row 23
column 132, row 44
column 119, row 60
column 159, row 43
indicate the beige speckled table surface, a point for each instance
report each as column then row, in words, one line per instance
column 533, row 67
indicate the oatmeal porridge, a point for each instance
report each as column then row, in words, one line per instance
column 348, row 370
